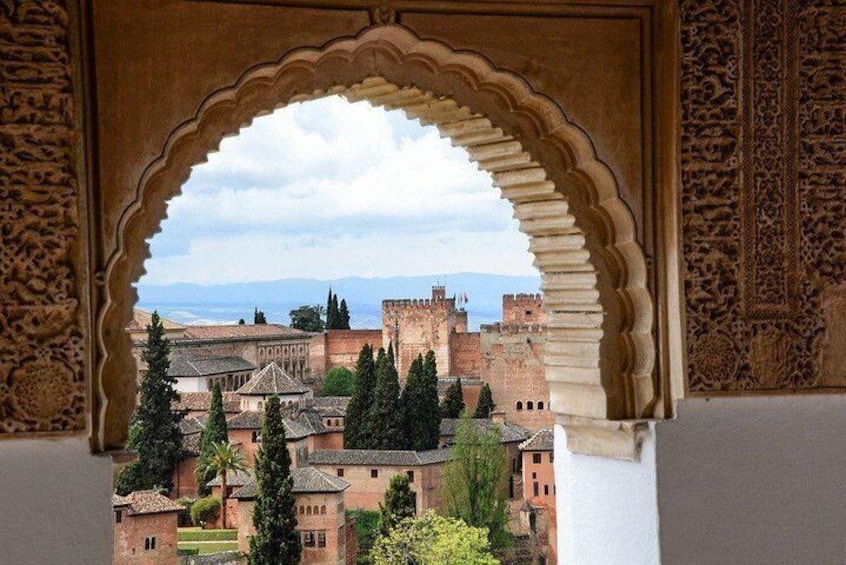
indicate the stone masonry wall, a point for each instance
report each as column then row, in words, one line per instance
column 466, row 354
column 523, row 309
column 421, row 325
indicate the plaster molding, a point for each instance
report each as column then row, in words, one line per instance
column 600, row 355
column 620, row 439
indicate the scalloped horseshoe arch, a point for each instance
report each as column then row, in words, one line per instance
column 600, row 350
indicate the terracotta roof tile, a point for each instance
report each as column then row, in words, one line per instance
column 141, row 319
column 272, row 380
column 306, row 480
column 200, row 402
column 508, row 432
column 146, row 502
column 379, row 457
column 182, row 367
column 241, row 331
column 540, row 441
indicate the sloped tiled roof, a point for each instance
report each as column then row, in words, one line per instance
column 241, row 331
column 295, row 428
column 306, row 480
column 445, row 382
column 141, row 319
column 146, row 502
column 272, row 380
column 191, row 429
column 190, row 426
column 540, row 441
column 182, row 367
column 237, row 479
column 509, row 433
column 200, row 402
column 378, row 457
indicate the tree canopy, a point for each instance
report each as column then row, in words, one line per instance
column 419, row 407
column 308, row 318
column 400, row 503
column 339, row 381
column 154, row 431
column 358, row 410
column 475, row 480
column 259, row 317
column 337, row 316
column 223, row 458
column 386, row 431
column 276, row 541
column 214, row 432
column 433, row 540
column 453, row 403
column 485, row 406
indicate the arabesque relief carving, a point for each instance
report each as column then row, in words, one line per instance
column 763, row 191
column 42, row 383
column 601, row 352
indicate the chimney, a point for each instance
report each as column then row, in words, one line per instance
column 498, row 417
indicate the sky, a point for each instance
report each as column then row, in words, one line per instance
column 327, row 189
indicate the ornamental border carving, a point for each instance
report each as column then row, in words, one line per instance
column 601, row 353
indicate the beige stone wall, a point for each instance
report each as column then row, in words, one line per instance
column 421, row 325
column 466, row 354
column 129, row 538
column 514, row 369
column 329, row 518
column 523, row 309
column 366, row 492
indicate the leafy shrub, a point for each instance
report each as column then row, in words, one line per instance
column 205, row 510
column 338, row 382
column 185, row 514
column 366, row 532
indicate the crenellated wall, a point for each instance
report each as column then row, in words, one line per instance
column 523, row 309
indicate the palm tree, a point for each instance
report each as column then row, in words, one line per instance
column 223, row 458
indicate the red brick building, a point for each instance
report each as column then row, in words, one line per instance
column 369, row 473
column 321, row 517
column 539, row 490
column 145, row 524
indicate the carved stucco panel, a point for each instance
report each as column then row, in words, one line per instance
column 42, row 383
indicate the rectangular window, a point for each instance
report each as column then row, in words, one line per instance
column 546, row 490
column 536, row 489
column 118, row 516
column 534, row 475
column 149, row 544
column 536, row 458
column 321, row 539
column 551, row 457
column 374, row 473
column 308, row 539
column 410, row 476
column 340, row 472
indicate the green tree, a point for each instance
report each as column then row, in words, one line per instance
column 336, row 314
column 486, row 404
column 154, row 431
column 214, row 432
column 259, row 317
column 339, row 381
column 223, row 459
column 433, row 540
column 386, row 429
column 400, row 503
column 276, row 541
column 331, row 314
column 358, row 410
column 453, row 403
column 430, row 410
column 241, row 322
column 307, row 318
column 421, row 417
column 344, row 316
column 474, row 481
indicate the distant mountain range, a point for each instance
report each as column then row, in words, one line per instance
column 226, row 303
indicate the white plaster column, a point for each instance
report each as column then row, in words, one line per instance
column 56, row 503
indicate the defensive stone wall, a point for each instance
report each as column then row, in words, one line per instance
column 523, row 309
column 466, row 354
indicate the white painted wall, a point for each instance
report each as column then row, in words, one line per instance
column 55, row 503
column 754, row 480
column 607, row 509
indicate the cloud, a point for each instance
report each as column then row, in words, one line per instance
column 328, row 188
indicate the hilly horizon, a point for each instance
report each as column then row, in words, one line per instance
column 188, row 303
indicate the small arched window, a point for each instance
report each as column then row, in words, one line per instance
column 323, row 510
column 540, row 404
column 519, row 405
column 530, row 405
column 308, row 510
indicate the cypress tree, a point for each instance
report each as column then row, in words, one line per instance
column 429, row 408
column 215, row 431
column 386, row 429
column 390, row 354
column 330, row 312
column 400, row 503
column 358, row 409
column 486, row 404
column 453, row 404
column 154, row 432
column 344, row 315
column 276, row 541
column 336, row 313
column 410, row 405
column 259, row 317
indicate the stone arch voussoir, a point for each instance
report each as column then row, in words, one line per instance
column 600, row 350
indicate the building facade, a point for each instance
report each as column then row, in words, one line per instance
column 145, row 529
